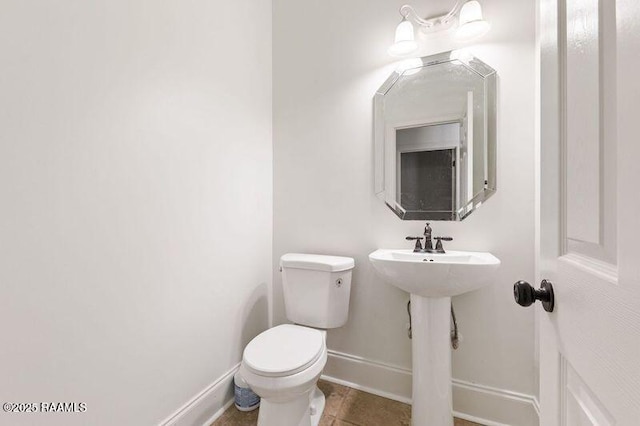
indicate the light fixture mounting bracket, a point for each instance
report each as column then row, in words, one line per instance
column 431, row 24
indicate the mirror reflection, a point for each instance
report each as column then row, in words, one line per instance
column 435, row 138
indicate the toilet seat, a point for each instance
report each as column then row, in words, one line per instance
column 283, row 350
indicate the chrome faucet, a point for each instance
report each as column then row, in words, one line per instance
column 428, row 242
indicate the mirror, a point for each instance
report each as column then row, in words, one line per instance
column 435, row 137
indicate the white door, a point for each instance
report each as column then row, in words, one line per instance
column 589, row 235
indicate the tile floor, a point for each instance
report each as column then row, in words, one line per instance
column 344, row 407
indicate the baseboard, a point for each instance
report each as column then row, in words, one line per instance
column 209, row 404
column 493, row 406
column 482, row 404
column 379, row 378
column 478, row 420
column 367, row 389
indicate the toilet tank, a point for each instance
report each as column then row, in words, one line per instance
column 316, row 289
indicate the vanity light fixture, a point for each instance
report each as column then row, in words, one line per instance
column 471, row 25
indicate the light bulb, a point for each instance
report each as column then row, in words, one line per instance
column 404, row 42
column 471, row 11
column 471, row 22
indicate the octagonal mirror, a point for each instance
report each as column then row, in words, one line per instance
column 435, row 137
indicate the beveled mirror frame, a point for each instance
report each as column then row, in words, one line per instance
column 380, row 131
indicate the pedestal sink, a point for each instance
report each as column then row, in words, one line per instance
column 432, row 279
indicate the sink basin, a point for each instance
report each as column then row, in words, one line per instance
column 435, row 275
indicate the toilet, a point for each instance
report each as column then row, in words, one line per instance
column 283, row 364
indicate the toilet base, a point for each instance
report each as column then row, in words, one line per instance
column 316, row 406
column 304, row 410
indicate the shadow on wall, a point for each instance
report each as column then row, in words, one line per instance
column 254, row 317
column 252, row 320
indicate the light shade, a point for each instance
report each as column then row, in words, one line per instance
column 471, row 23
column 405, row 41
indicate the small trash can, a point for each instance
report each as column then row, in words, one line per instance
column 245, row 398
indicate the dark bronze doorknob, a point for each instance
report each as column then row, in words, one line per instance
column 526, row 295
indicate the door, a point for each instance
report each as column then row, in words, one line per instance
column 589, row 212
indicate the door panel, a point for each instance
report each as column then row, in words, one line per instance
column 580, row 405
column 588, row 72
column 583, row 141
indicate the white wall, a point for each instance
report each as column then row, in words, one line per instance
column 329, row 59
column 135, row 201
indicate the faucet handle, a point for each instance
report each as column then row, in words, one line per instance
column 418, row 246
column 439, row 240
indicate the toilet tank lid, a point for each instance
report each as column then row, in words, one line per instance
column 316, row 262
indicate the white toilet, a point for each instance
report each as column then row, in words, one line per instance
column 283, row 364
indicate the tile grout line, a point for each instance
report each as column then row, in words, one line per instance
column 339, row 410
column 344, row 398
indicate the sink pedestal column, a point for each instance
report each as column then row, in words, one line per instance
column 431, row 353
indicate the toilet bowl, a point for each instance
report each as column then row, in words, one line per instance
column 283, row 364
